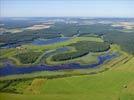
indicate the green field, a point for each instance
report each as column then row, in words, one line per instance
column 113, row 80
column 114, row 84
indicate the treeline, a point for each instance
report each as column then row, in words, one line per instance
column 24, row 37
column 83, row 48
column 28, row 57
column 58, row 28
column 124, row 39
column 73, row 29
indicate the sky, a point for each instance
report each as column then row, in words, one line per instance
column 72, row 8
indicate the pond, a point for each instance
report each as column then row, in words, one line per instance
column 49, row 41
column 12, row 69
column 38, row 41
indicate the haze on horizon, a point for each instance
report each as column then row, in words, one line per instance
column 72, row 8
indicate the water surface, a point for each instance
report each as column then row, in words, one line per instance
column 12, row 69
column 49, row 41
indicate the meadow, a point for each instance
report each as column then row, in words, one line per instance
column 114, row 84
column 87, row 44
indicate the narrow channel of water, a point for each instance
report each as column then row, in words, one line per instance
column 12, row 69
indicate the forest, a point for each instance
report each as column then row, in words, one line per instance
column 82, row 48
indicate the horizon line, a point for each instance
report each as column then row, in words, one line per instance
column 64, row 16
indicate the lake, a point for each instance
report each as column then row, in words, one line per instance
column 49, row 41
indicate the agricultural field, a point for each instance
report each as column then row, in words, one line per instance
column 53, row 60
